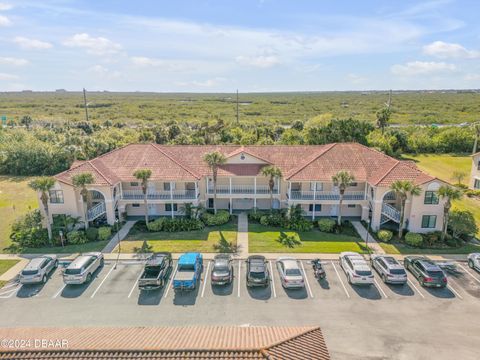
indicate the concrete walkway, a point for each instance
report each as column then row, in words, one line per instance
column 242, row 236
column 372, row 243
column 122, row 234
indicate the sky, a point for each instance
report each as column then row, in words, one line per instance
column 250, row 45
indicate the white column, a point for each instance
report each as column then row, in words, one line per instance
column 121, row 191
column 196, row 190
column 231, row 206
column 313, row 211
column 314, row 192
column 255, row 203
column 255, row 185
column 171, row 196
column 289, row 190
column 230, row 188
column 365, row 195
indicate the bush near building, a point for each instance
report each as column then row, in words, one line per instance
column 384, row 235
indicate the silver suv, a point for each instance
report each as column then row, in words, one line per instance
column 38, row 269
column 389, row 269
column 82, row 268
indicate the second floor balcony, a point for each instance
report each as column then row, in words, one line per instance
column 326, row 195
column 243, row 190
column 160, row 195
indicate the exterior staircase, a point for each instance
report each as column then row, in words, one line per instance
column 389, row 213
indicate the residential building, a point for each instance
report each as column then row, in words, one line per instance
column 180, row 176
column 475, row 173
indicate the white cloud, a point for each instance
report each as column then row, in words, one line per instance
column 13, row 61
column 472, row 77
column 7, row 77
column 209, row 83
column 262, row 61
column 5, row 6
column 5, row 21
column 93, row 45
column 31, row 44
column 146, row 61
column 356, row 79
column 422, row 68
column 445, row 50
column 104, row 72
column 167, row 65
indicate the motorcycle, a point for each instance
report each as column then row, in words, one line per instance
column 318, row 269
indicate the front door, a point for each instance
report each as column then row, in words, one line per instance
column 152, row 209
column 333, row 210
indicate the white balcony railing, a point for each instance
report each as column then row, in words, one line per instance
column 96, row 211
column 326, row 195
column 242, row 190
column 159, row 195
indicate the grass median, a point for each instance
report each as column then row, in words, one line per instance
column 264, row 239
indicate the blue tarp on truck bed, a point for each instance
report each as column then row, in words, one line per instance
column 188, row 259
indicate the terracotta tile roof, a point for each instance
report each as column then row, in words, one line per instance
column 297, row 163
column 217, row 342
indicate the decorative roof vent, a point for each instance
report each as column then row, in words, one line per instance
column 242, row 156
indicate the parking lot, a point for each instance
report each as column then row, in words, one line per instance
column 361, row 313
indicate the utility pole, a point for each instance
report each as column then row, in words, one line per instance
column 85, row 103
column 238, row 117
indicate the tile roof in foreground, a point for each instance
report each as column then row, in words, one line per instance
column 297, row 163
column 216, row 342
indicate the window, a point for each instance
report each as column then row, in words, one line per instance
column 351, row 205
column 56, row 196
column 168, row 207
column 431, row 198
column 478, row 165
column 476, row 184
column 135, row 205
column 353, row 184
column 429, row 221
column 318, row 207
column 210, row 203
column 134, row 183
column 166, row 186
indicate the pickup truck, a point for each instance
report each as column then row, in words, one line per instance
column 156, row 272
column 188, row 271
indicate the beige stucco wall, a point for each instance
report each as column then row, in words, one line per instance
column 475, row 173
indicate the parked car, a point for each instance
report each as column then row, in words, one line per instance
column 257, row 271
column 38, row 269
column 389, row 269
column 290, row 274
column 81, row 270
column 474, row 261
column 356, row 268
column 188, row 272
column 156, row 272
column 222, row 271
column 425, row 271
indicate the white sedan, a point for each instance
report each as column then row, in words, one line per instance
column 474, row 261
column 290, row 274
column 356, row 268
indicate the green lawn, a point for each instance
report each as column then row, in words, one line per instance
column 403, row 249
column 4, row 266
column 210, row 239
column 69, row 249
column 16, row 198
column 263, row 239
column 442, row 166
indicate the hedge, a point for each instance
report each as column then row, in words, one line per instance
column 414, row 239
column 384, row 235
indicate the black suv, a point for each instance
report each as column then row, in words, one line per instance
column 257, row 271
column 426, row 271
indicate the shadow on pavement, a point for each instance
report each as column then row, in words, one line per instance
column 296, row 294
column 150, row 297
column 185, row 297
column 369, row 292
column 222, row 290
column 260, row 292
column 403, row 290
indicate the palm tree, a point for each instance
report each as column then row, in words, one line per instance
column 383, row 117
column 214, row 159
column 143, row 175
column 43, row 185
column 80, row 181
column 342, row 180
column 272, row 172
column 449, row 193
column 403, row 189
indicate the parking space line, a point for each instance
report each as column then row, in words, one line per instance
column 306, row 280
column 272, row 283
column 59, row 291
column 469, row 273
column 205, row 279
column 413, row 285
column 135, row 284
column 101, row 283
column 339, row 278
column 9, row 286
column 454, row 291
column 11, row 292
column 380, row 288
column 171, row 281
column 239, row 276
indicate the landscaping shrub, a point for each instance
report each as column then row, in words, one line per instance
column 384, row 235
column 462, row 224
column 156, row 225
column 27, row 231
column 432, row 238
column 414, row 239
column 77, row 237
column 300, row 225
column 182, row 224
column 288, row 240
column 256, row 216
column 326, row 225
column 222, row 217
column 274, row 219
column 91, row 233
column 452, row 242
column 104, row 233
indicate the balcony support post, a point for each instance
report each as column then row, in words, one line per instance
column 289, row 190
column 313, row 211
column 171, row 196
column 255, row 185
column 121, row 190
column 231, row 206
column 230, row 185
column 196, row 189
